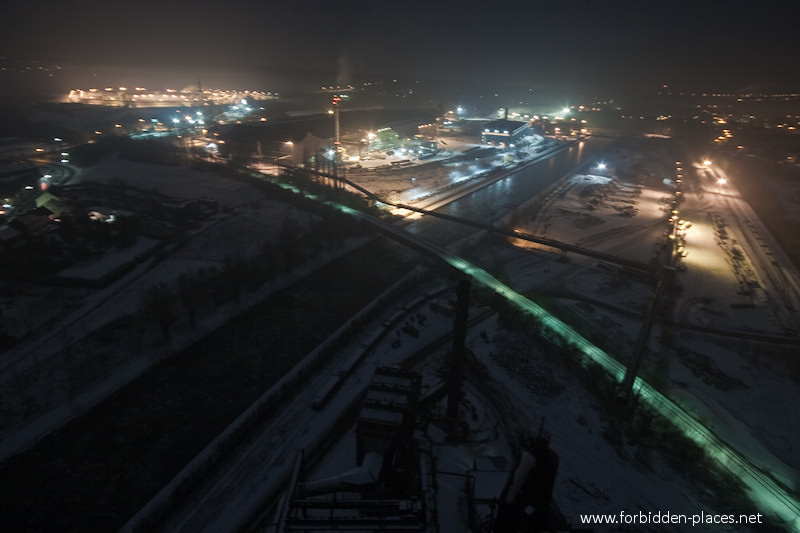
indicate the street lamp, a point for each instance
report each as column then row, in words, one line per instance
column 289, row 147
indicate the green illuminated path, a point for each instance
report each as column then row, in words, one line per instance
column 770, row 497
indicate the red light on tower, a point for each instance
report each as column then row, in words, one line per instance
column 336, row 100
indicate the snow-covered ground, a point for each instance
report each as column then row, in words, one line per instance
column 171, row 181
column 727, row 383
column 739, row 388
column 41, row 374
column 593, row 476
column 521, row 386
column 713, row 382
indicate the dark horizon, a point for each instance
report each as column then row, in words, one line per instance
column 597, row 46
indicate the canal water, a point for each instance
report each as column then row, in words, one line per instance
column 494, row 201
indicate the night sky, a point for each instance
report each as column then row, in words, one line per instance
column 720, row 44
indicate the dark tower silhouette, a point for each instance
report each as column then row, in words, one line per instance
column 458, row 352
column 531, row 485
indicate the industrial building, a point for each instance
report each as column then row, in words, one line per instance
column 504, row 133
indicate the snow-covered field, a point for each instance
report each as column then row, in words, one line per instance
column 742, row 389
column 724, row 382
column 172, row 181
column 73, row 357
column 734, row 387
column 519, row 387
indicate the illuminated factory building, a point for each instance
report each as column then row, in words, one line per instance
column 504, row 132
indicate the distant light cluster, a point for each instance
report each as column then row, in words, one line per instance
column 142, row 97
